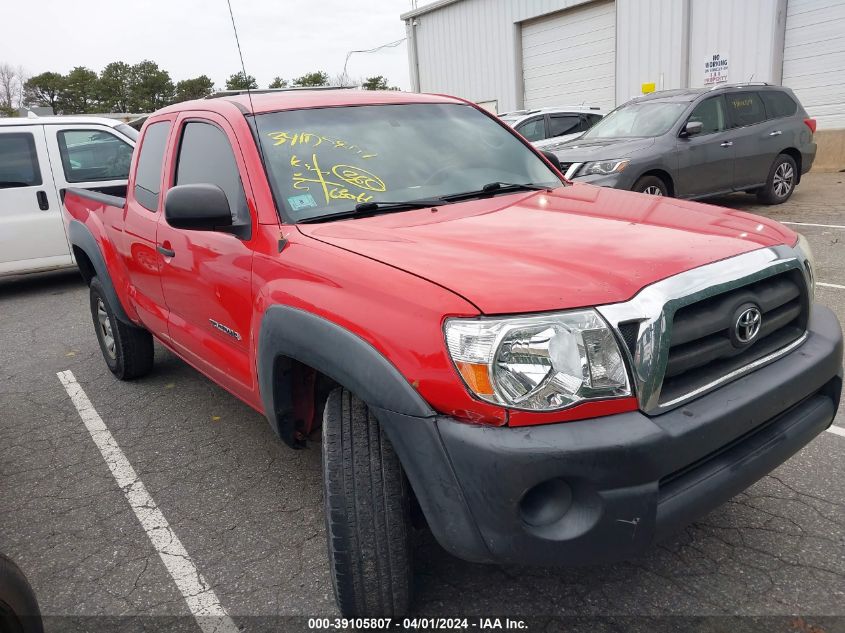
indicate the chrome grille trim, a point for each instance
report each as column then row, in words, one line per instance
column 760, row 362
column 655, row 306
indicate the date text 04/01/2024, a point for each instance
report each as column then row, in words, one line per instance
column 414, row 624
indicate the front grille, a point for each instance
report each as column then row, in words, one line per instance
column 704, row 345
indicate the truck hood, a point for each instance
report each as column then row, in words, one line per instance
column 576, row 246
column 583, row 150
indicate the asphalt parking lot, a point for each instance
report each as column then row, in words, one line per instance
column 248, row 510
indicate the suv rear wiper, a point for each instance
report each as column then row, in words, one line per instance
column 496, row 187
column 375, row 206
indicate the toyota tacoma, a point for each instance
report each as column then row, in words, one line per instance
column 546, row 372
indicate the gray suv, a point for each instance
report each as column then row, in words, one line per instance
column 694, row 143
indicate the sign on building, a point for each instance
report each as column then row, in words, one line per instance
column 715, row 70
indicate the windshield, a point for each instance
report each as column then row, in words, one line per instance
column 328, row 160
column 634, row 119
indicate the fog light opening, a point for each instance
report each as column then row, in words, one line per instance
column 546, row 503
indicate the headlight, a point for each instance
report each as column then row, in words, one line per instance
column 604, row 167
column 803, row 246
column 538, row 363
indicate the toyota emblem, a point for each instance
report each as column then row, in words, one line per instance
column 748, row 324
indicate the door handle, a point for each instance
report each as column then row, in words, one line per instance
column 727, row 144
column 43, row 203
column 775, row 133
column 165, row 251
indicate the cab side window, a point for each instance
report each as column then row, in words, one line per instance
column 18, row 161
column 93, row 155
column 148, row 172
column 745, row 108
column 533, row 129
column 711, row 114
column 560, row 124
column 206, row 157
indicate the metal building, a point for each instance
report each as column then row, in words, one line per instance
column 513, row 54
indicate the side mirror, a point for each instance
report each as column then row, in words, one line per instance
column 553, row 159
column 692, row 128
column 197, row 207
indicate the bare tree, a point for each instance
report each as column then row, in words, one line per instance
column 344, row 81
column 12, row 80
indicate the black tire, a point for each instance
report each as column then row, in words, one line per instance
column 650, row 185
column 367, row 504
column 127, row 350
column 19, row 612
column 783, row 170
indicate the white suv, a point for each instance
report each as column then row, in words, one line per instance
column 40, row 158
column 546, row 126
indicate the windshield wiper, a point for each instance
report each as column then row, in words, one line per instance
column 373, row 207
column 496, row 187
column 377, row 205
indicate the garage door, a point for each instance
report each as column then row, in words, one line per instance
column 814, row 58
column 569, row 58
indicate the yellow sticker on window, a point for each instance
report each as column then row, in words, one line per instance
column 292, row 139
column 335, row 183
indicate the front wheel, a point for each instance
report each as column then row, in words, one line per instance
column 652, row 186
column 783, row 176
column 367, row 504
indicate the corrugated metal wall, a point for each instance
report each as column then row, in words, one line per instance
column 471, row 48
column 814, row 58
column 569, row 57
column 748, row 32
column 650, row 36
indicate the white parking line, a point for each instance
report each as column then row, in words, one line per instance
column 836, row 430
column 824, row 226
column 838, row 286
column 201, row 599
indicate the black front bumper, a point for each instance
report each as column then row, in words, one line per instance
column 603, row 489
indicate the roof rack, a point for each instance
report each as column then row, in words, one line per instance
column 528, row 112
column 741, row 84
column 235, row 93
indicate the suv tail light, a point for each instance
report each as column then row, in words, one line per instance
column 811, row 123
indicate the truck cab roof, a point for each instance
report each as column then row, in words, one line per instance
column 261, row 102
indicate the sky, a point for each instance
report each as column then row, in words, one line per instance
column 188, row 38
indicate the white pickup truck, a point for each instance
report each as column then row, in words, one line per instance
column 39, row 159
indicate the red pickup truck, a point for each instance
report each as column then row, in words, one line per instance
column 552, row 373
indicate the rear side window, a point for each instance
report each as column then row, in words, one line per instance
column 206, row 157
column 148, row 173
column 745, row 108
column 89, row 155
column 533, row 130
column 564, row 124
column 18, row 161
column 778, row 104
